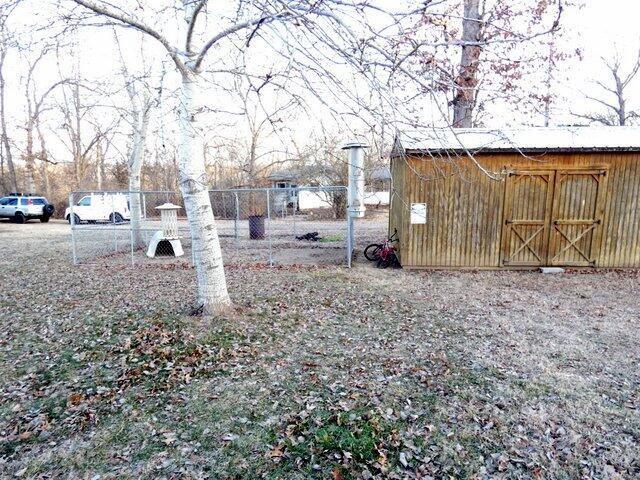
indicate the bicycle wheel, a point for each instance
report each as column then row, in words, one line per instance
column 372, row 252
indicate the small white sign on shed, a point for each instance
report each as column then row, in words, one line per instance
column 418, row 213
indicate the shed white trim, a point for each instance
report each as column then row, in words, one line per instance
column 539, row 139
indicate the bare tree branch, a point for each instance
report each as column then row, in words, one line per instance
column 130, row 21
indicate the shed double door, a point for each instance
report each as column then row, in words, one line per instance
column 552, row 217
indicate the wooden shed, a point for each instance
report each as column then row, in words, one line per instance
column 526, row 198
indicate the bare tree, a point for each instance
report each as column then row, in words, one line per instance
column 259, row 143
column 212, row 287
column 616, row 92
column 492, row 46
column 262, row 124
column 7, row 156
column 105, row 134
column 73, row 109
column 86, row 123
column 137, row 115
column 139, row 118
column 467, row 80
column 43, row 155
column 35, row 107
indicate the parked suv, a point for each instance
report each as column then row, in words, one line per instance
column 100, row 207
column 21, row 207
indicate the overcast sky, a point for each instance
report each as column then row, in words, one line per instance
column 598, row 29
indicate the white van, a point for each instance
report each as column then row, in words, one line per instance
column 100, row 207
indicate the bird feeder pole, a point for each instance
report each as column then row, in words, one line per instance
column 355, row 190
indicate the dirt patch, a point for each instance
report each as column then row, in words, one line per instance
column 111, row 244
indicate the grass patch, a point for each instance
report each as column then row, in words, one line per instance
column 339, row 444
column 76, row 391
column 331, row 238
column 358, row 440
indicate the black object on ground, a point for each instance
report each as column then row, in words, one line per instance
column 390, row 261
column 312, row 236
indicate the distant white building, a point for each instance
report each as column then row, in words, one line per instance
column 285, row 196
column 293, row 195
column 378, row 187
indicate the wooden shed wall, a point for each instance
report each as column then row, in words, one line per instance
column 397, row 219
column 465, row 207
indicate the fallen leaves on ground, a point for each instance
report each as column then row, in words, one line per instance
column 319, row 373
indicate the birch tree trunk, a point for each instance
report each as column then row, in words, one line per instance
column 99, row 164
column 622, row 104
column 212, row 285
column 135, row 208
column 135, row 172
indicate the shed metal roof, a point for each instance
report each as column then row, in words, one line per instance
column 381, row 173
column 283, row 175
column 529, row 139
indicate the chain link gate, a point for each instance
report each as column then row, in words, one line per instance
column 272, row 226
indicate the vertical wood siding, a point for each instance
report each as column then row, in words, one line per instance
column 465, row 209
column 397, row 217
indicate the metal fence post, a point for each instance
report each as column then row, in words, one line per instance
column 113, row 224
column 351, row 235
column 131, row 236
column 269, row 226
column 143, row 214
column 237, row 220
column 72, row 222
column 295, row 210
column 350, row 239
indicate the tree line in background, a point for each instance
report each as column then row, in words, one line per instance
column 484, row 70
column 111, row 135
column 203, row 95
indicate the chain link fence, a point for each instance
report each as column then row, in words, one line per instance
column 273, row 226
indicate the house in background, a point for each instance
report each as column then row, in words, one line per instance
column 283, row 179
column 288, row 196
column 293, row 195
column 380, row 179
column 378, row 187
column 525, row 198
column 285, row 195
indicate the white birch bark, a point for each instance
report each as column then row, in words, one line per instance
column 141, row 123
column 99, row 164
column 213, row 296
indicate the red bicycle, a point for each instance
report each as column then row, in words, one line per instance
column 383, row 253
